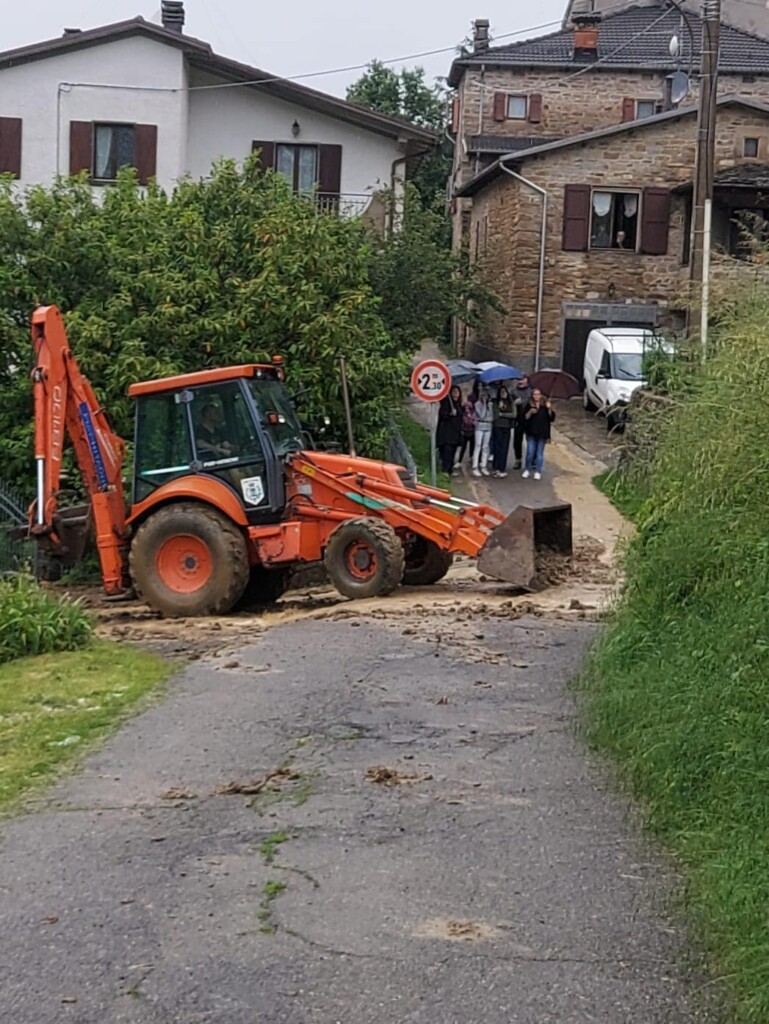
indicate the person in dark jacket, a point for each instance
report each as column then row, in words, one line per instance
column 522, row 395
column 538, row 415
column 504, row 418
column 468, row 430
column 449, row 434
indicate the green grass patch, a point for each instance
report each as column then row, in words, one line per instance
column 34, row 621
column 54, row 707
column 418, row 441
column 270, row 893
column 622, row 493
column 676, row 691
column 269, row 847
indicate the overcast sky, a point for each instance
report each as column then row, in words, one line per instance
column 295, row 38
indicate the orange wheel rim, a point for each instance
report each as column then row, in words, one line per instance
column 361, row 561
column 184, row 563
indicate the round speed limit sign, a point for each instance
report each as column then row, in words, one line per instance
column 431, row 380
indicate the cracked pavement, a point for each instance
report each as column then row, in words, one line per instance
column 500, row 883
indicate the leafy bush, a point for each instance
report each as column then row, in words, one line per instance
column 677, row 689
column 33, row 621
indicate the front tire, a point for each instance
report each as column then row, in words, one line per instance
column 364, row 558
column 426, row 563
column 189, row 560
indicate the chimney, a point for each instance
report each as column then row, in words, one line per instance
column 480, row 35
column 72, row 32
column 586, row 36
column 172, row 15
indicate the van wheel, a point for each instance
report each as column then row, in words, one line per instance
column 587, row 403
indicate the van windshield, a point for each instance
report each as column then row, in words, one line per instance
column 627, row 366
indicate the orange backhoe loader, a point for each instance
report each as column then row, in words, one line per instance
column 227, row 500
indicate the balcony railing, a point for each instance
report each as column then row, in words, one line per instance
column 348, row 204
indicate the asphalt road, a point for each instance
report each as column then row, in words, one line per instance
column 500, row 884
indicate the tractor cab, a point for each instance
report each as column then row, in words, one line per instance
column 236, row 425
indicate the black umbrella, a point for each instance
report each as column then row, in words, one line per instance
column 555, row 383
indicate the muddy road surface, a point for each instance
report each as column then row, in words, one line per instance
column 349, row 813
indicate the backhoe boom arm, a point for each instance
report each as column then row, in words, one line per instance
column 66, row 406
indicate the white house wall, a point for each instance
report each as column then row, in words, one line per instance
column 225, row 122
column 32, row 92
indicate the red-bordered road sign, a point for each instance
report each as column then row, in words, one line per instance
column 431, row 380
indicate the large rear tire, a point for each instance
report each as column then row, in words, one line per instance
column 364, row 558
column 264, row 587
column 188, row 560
column 426, row 563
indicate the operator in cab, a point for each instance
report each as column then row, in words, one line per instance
column 210, row 433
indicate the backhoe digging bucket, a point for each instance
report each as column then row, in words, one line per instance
column 515, row 548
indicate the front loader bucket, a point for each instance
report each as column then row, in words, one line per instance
column 512, row 551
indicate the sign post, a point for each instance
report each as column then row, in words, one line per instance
column 431, row 382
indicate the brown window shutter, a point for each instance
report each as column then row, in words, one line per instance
column 146, row 152
column 266, row 160
column 330, row 171
column 455, row 115
column 535, row 108
column 500, row 106
column 80, row 147
column 628, row 109
column 655, row 221
column 576, row 218
column 10, row 146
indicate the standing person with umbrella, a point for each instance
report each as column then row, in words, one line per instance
column 505, row 415
column 538, row 417
column 448, row 437
column 484, row 418
column 522, row 396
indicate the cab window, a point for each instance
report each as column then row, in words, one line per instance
column 163, row 448
column 223, row 428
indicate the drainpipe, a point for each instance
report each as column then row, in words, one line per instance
column 542, row 253
column 481, row 98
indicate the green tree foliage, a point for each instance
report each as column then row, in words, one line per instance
column 229, row 270
column 407, row 94
column 422, row 282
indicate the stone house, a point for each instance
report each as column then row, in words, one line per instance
column 748, row 14
column 617, row 228
column 612, row 73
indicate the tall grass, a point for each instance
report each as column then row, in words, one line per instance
column 33, row 621
column 677, row 690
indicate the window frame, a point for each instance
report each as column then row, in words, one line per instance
column 295, row 147
column 517, row 96
column 751, row 139
column 619, row 191
column 97, row 179
column 642, row 117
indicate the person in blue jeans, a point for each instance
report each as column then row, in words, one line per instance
column 538, row 416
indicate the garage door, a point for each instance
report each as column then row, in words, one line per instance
column 574, row 343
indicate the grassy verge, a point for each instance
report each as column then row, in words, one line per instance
column 677, row 689
column 621, row 493
column 53, row 707
column 418, row 441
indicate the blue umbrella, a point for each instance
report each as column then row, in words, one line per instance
column 462, row 370
column 499, row 373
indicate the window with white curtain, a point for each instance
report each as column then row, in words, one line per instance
column 114, row 146
column 614, row 220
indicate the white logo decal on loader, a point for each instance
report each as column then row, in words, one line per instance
column 253, row 490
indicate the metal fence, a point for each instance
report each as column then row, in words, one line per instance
column 15, row 555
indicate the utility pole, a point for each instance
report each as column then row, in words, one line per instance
column 705, row 168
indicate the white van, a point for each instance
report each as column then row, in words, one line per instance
column 614, row 358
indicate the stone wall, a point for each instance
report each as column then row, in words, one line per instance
column 510, row 218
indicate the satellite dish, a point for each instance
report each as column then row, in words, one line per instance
column 679, row 87
column 675, row 46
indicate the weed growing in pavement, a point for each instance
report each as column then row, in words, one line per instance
column 270, row 893
column 269, row 847
column 677, row 688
